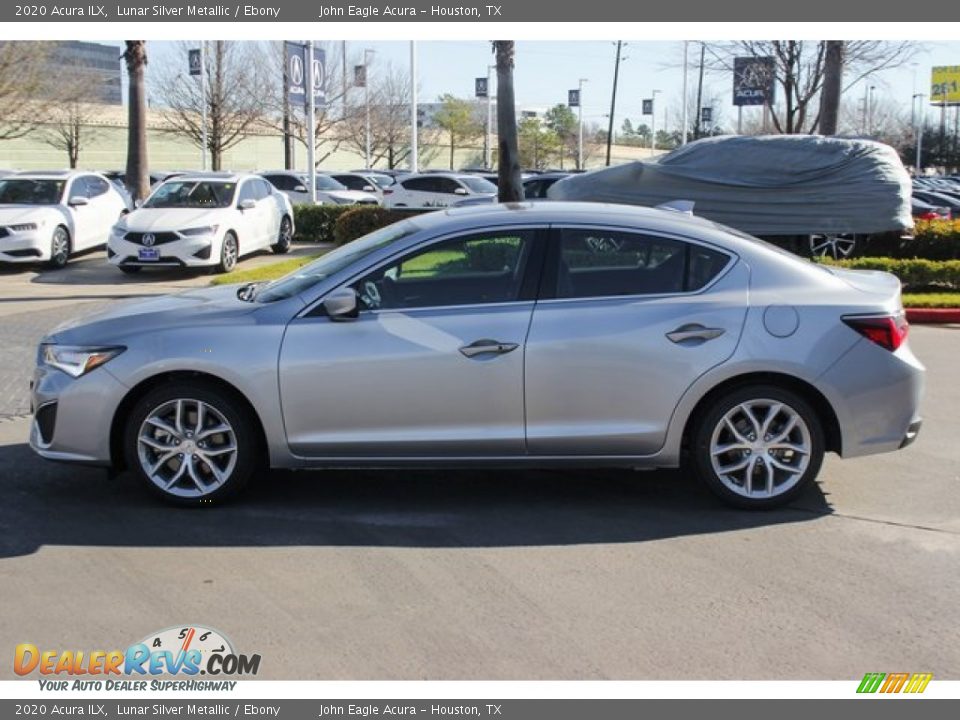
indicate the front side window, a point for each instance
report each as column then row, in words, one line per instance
column 610, row 263
column 479, row 185
column 484, row 268
column 95, row 186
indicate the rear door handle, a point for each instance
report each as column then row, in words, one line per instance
column 694, row 331
column 487, row 347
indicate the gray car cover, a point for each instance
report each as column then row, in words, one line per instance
column 768, row 185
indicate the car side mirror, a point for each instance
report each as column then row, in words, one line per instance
column 342, row 304
column 300, row 188
column 78, row 201
column 248, row 204
column 138, row 202
column 368, row 188
column 460, row 191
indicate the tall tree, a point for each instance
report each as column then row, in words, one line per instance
column 237, row 83
column 135, row 57
column 509, row 185
column 457, row 117
column 72, row 122
column 562, row 122
column 832, row 87
column 23, row 79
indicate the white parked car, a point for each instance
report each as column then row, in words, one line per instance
column 437, row 190
column 204, row 220
column 329, row 192
column 368, row 182
column 49, row 216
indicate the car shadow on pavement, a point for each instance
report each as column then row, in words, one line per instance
column 49, row 504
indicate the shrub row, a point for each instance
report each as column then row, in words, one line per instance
column 342, row 223
column 933, row 240
column 916, row 274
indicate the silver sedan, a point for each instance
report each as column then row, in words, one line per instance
column 535, row 334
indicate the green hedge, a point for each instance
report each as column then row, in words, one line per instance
column 933, row 240
column 314, row 223
column 915, row 274
column 359, row 221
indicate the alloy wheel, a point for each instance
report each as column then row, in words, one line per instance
column 832, row 245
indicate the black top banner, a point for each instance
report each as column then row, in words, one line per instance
column 443, row 11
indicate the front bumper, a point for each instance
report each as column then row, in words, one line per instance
column 24, row 247
column 193, row 251
column 72, row 417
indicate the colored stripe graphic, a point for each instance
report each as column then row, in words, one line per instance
column 871, row 682
column 918, row 682
column 895, row 682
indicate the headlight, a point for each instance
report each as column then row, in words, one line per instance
column 207, row 230
column 77, row 360
column 23, row 227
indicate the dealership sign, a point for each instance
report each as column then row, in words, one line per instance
column 945, row 85
column 753, row 80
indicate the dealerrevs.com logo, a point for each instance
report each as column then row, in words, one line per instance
column 179, row 651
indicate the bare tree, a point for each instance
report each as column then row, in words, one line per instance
column 23, row 78
column 799, row 68
column 509, row 184
column 72, row 122
column 236, row 85
column 135, row 57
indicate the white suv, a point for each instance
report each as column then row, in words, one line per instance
column 436, row 190
column 48, row 216
column 329, row 192
column 204, row 220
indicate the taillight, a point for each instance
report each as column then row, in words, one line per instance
column 887, row 331
column 930, row 215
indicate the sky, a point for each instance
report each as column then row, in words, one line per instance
column 546, row 70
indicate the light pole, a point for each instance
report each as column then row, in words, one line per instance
column 414, row 130
column 203, row 102
column 488, row 159
column 872, row 89
column 580, row 123
column 653, row 121
column 918, row 98
column 366, row 99
column 311, row 125
column 683, row 103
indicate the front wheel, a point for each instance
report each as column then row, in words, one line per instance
column 284, row 237
column 191, row 443
column 229, row 252
column 59, row 247
column 758, row 446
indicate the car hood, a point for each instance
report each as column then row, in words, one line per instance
column 14, row 214
column 161, row 219
column 218, row 305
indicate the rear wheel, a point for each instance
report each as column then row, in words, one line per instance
column 191, row 443
column 833, row 245
column 229, row 252
column 59, row 247
column 758, row 446
column 284, row 237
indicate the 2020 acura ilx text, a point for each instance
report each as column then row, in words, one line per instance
column 534, row 334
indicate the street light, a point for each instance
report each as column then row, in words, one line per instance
column 366, row 98
column 488, row 154
column 919, row 129
column 870, row 110
column 580, row 123
column 653, row 121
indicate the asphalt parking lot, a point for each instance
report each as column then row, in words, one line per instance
column 496, row 575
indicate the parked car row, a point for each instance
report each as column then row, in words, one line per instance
column 189, row 220
column 936, row 197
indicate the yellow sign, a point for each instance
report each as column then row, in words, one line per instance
column 945, row 84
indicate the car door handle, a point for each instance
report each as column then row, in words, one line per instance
column 491, row 347
column 694, row 331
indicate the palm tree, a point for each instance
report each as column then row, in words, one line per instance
column 136, row 176
column 510, row 188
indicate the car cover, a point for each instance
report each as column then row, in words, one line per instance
column 767, row 185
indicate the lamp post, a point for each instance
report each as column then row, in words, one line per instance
column 366, row 99
column 414, row 130
column 488, row 159
column 653, row 121
column 872, row 89
column 203, row 102
column 918, row 97
column 580, row 123
column 683, row 103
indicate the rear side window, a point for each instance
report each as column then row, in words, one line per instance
column 423, row 184
column 611, row 263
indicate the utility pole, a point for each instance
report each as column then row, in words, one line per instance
column 414, row 129
column 832, row 87
column 683, row 103
column 311, row 126
column 696, row 118
column 613, row 100
column 580, row 123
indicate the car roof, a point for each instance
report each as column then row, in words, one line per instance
column 224, row 176
column 52, row 174
column 441, row 173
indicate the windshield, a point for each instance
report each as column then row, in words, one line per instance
column 334, row 261
column 24, row 191
column 479, row 185
column 192, row 194
column 325, row 182
column 382, row 180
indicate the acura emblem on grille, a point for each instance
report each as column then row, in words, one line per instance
column 149, row 239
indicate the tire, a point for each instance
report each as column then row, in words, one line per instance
column 794, row 442
column 191, row 478
column 229, row 253
column 59, row 248
column 837, row 246
column 130, row 269
column 284, row 237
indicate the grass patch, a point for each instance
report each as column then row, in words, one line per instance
column 932, row 300
column 264, row 272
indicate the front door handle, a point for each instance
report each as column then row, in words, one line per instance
column 487, row 347
column 694, row 331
